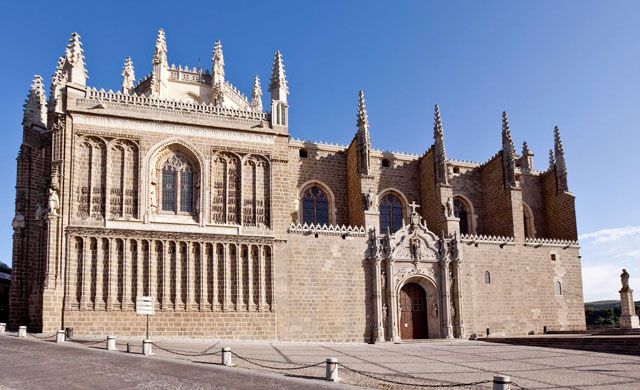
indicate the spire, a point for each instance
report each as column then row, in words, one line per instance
column 58, row 80
column 74, row 56
column 128, row 76
column 363, row 138
column 552, row 159
column 160, row 54
column 160, row 73
column 526, row 160
column 218, row 63
column 561, row 166
column 278, row 87
column 256, row 95
column 35, row 111
column 440, row 153
column 508, row 153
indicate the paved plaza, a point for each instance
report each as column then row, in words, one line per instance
column 31, row 363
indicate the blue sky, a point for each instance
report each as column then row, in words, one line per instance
column 575, row 64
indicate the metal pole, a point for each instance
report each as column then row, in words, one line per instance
column 147, row 326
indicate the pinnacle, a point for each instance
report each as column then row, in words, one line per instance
column 128, row 75
column 552, row 159
column 257, row 88
column 525, row 148
column 437, row 122
column 256, row 95
column 34, row 107
column 160, row 54
column 278, row 78
column 362, row 118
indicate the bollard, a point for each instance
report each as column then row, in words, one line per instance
column 22, row 331
column 128, row 347
column 501, row 382
column 111, row 343
column 146, row 347
column 60, row 337
column 3, row 326
column 331, row 373
column 226, row 357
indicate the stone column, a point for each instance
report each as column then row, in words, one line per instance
column 179, row 303
column 392, row 302
column 262, row 301
column 100, row 258
column 377, row 285
column 215, row 277
column 240, row 303
column 458, row 291
column 251, row 305
column 628, row 317
column 52, row 250
column 189, row 285
column 445, row 299
column 152, row 264
column 226, row 306
column 166, row 275
column 204, row 272
column 85, row 297
column 126, row 275
column 112, row 278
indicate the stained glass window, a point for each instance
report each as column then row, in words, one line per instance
column 460, row 211
column 178, row 182
column 168, row 190
column 391, row 213
column 186, row 191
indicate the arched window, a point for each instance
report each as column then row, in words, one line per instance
column 529, row 227
column 487, row 277
column 558, row 288
column 461, row 210
column 315, row 206
column 178, row 184
column 391, row 213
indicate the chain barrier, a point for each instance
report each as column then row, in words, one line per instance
column 180, row 353
column 518, row 386
column 369, row 375
column 42, row 337
column 87, row 343
column 254, row 362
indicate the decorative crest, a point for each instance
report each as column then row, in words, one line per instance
column 256, row 95
column 35, row 111
column 128, row 76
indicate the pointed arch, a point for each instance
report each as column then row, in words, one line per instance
column 463, row 209
column 316, row 203
column 529, row 223
column 392, row 205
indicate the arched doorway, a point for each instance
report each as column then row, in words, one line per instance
column 413, row 312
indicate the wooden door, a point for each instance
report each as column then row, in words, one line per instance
column 413, row 312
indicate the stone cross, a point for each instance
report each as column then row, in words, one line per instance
column 413, row 207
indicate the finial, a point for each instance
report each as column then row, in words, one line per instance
column 35, row 111
column 160, row 54
column 525, row 149
column 128, row 76
column 278, row 86
column 437, row 122
column 74, row 55
column 218, row 63
column 362, row 118
column 561, row 166
column 256, row 95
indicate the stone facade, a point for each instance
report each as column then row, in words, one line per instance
column 181, row 188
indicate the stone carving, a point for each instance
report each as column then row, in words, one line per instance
column 54, row 202
column 624, row 278
column 368, row 200
column 40, row 212
column 18, row 221
column 449, row 208
column 435, row 309
column 416, row 253
column 153, row 197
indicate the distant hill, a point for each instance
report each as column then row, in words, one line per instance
column 604, row 314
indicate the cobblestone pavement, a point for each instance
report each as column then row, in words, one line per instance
column 421, row 364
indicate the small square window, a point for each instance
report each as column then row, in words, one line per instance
column 386, row 163
column 303, row 153
column 456, row 169
column 554, row 257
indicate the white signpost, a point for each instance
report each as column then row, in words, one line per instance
column 145, row 306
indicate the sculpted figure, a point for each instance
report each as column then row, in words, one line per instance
column 449, row 207
column 18, row 221
column 40, row 212
column 153, row 197
column 435, row 310
column 54, row 202
column 415, row 247
column 368, row 200
column 624, row 277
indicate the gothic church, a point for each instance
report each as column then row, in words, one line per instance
column 182, row 188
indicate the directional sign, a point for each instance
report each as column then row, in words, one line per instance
column 145, row 305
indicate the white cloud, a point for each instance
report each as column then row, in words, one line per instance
column 604, row 254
